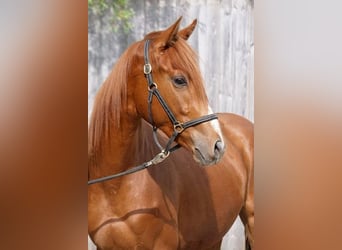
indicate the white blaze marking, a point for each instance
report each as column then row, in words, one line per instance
column 215, row 124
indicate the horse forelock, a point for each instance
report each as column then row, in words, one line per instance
column 185, row 58
column 182, row 57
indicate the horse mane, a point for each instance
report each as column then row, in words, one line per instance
column 108, row 103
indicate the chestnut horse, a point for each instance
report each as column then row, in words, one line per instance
column 187, row 200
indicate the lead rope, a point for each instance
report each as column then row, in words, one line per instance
column 156, row 160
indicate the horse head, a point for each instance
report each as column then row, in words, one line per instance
column 173, row 72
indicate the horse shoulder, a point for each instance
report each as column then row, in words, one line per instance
column 132, row 217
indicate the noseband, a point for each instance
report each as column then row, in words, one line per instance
column 178, row 127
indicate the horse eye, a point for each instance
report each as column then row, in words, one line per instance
column 179, row 81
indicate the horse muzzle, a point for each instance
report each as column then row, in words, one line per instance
column 208, row 153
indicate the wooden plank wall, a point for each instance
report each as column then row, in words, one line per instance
column 223, row 41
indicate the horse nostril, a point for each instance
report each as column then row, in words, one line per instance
column 219, row 147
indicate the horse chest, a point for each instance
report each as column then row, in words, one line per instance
column 206, row 213
column 176, row 210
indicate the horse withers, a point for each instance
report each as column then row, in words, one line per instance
column 187, row 198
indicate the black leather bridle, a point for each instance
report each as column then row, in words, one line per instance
column 178, row 127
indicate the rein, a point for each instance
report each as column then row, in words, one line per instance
column 178, row 127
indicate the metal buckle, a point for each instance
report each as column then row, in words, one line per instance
column 178, row 127
column 160, row 157
column 147, row 68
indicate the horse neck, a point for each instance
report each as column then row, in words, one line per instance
column 123, row 142
column 125, row 147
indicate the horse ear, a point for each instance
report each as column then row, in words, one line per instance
column 169, row 36
column 186, row 32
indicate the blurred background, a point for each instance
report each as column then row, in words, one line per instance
column 44, row 109
column 223, row 40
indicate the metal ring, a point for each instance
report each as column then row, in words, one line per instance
column 152, row 86
column 178, row 127
column 147, row 68
column 166, row 154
